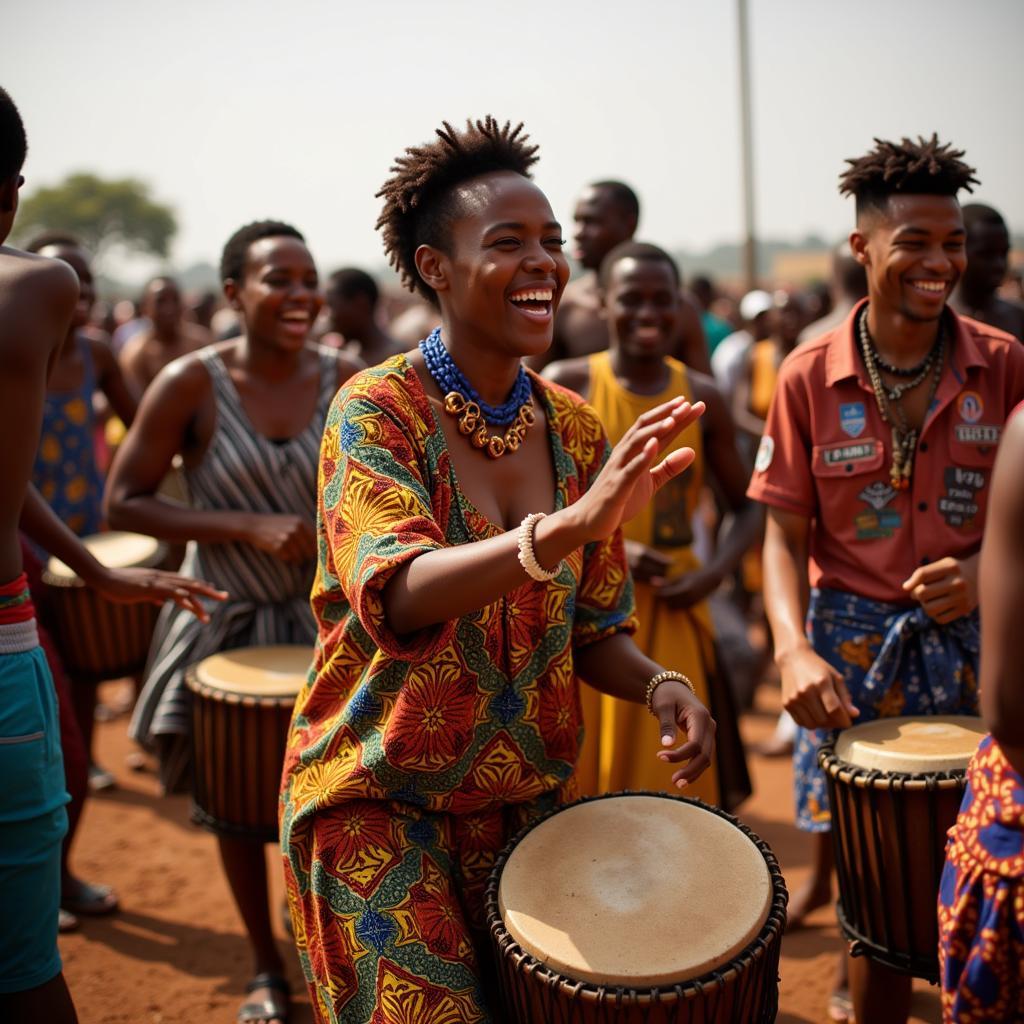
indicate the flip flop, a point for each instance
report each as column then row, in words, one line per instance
column 840, row 1007
column 267, row 1010
column 91, row 900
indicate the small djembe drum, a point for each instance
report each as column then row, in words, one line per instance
column 98, row 638
column 241, row 710
column 637, row 907
column 895, row 787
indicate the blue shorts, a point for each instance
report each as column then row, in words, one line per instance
column 33, row 821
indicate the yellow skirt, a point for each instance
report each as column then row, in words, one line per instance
column 622, row 740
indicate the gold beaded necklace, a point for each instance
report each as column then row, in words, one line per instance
column 472, row 425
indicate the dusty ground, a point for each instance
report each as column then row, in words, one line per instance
column 176, row 953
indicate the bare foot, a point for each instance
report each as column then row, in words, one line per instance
column 813, row 894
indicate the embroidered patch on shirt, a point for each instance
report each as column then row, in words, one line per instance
column 970, row 407
column 848, row 453
column 959, row 505
column 852, row 418
column 976, row 433
column 765, row 454
column 876, row 525
column 878, row 494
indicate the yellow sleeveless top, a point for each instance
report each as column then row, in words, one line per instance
column 764, row 373
column 665, row 522
column 621, row 738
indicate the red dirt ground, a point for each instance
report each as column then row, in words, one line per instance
column 176, row 952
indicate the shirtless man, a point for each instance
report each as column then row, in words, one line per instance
column 988, row 246
column 606, row 215
column 37, row 300
column 169, row 335
column 351, row 296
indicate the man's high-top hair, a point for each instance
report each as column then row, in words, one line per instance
column 925, row 167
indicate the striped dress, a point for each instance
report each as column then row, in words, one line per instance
column 269, row 604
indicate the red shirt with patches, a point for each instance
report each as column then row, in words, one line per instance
column 826, row 454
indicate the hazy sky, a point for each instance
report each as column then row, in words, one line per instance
column 237, row 111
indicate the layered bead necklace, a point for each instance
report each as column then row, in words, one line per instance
column 904, row 438
column 472, row 413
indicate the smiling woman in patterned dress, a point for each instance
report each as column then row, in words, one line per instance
column 444, row 710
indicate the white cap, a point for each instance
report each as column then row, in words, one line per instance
column 754, row 303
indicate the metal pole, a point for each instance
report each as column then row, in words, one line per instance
column 747, row 149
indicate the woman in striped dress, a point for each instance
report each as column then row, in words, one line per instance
column 246, row 416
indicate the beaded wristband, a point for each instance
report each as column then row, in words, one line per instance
column 664, row 677
column 527, row 558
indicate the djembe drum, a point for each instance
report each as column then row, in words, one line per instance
column 98, row 638
column 241, row 709
column 637, row 907
column 895, row 787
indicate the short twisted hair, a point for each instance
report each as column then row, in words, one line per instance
column 232, row 259
column 925, row 167
column 419, row 206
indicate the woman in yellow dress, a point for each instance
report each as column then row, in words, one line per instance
column 641, row 295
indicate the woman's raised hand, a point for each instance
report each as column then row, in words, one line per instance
column 631, row 476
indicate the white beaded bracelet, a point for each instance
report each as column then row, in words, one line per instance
column 527, row 558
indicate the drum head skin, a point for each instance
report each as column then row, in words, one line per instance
column 918, row 745
column 275, row 671
column 637, row 891
column 115, row 550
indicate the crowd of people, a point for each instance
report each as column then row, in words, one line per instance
column 543, row 537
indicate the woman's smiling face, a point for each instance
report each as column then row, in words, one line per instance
column 503, row 271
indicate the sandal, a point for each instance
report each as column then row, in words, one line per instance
column 80, row 897
column 268, row 1009
column 840, row 1007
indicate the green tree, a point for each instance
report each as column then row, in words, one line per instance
column 102, row 213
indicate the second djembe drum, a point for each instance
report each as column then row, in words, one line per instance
column 895, row 787
column 634, row 908
column 241, row 709
column 98, row 638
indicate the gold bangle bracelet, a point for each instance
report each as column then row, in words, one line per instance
column 662, row 677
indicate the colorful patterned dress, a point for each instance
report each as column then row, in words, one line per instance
column 65, row 471
column 413, row 758
column 981, row 898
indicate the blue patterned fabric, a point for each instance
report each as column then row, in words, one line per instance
column 895, row 661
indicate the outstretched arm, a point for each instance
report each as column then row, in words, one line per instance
column 445, row 584
column 130, row 586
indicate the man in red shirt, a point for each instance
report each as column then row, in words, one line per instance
column 875, row 465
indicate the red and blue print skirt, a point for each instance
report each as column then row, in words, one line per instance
column 981, row 898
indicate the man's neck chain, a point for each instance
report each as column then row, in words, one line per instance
column 888, row 399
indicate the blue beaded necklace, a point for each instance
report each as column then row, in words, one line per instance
column 449, row 377
column 473, row 414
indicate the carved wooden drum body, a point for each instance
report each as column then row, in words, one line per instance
column 241, row 710
column 895, row 787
